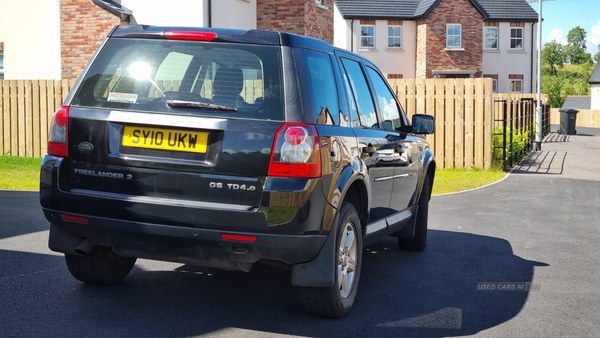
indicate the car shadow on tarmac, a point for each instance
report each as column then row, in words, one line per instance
column 429, row 294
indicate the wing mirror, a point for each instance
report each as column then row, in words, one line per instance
column 423, row 124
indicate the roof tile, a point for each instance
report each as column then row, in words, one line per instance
column 577, row 102
column 494, row 10
column 595, row 77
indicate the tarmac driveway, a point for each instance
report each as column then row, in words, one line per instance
column 539, row 226
column 548, row 209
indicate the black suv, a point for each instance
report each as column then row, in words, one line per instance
column 224, row 148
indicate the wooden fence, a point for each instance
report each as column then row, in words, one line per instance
column 585, row 118
column 251, row 90
column 463, row 112
column 463, row 109
column 26, row 108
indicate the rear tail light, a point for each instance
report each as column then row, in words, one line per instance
column 295, row 152
column 191, row 35
column 57, row 140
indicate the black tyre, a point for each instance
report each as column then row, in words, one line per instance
column 419, row 242
column 337, row 300
column 100, row 267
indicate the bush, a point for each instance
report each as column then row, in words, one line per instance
column 515, row 150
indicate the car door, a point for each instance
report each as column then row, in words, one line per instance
column 405, row 147
column 371, row 138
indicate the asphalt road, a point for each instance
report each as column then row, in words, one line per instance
column 541, row 225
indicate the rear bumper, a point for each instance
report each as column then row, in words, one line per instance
column 278, row 213
column 288, row 230
column 180, row 244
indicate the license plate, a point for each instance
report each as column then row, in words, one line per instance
column 165, row 139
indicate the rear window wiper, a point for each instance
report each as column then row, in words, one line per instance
column 197, row 104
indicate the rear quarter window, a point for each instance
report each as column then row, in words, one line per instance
column 316, row 72
column 144, row 74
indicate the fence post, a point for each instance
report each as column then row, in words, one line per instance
column 504, row 120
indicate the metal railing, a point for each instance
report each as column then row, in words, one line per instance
column 514, row 130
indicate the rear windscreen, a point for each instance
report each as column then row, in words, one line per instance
column 199, row 78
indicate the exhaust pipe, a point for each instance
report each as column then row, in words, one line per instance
column 245, row 266
column 84, row 247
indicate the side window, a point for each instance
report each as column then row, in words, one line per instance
column 321, row 83
column 358, row 90
column 386, row 101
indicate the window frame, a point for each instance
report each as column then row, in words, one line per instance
column 395, row 37
column 522, row 38
column 448, row 35
column 485, row 39
column 359, row 104
column 303, row 57
column 362, row 37
column 379, row 92
column 110, row 73
column 510, row 85
column 2, row 65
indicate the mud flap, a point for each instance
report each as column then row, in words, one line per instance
column 320, row 272
column 409, row 230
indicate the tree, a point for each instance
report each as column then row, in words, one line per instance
column 575, row 51
column 597, row 55
column 553, row 56
column 552, row 86
column 571, row 80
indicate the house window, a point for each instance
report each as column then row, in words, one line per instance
column 515, row 83
column 453, row 35
column 395, row 76
column 516, row 86
column 394, row 36
column 319, row 3
column 453, row 76
column 490, row 38
column 516, row 38
column 1, row 65
column 367, row 36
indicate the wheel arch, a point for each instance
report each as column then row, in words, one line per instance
column 320, row 271
column 429, row 172
column 357, row 195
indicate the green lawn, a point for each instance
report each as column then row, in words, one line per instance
column 19, row 173
column 454, row 180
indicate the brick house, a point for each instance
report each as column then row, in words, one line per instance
column 405, row 38
column 444, row 38
column 61, row 35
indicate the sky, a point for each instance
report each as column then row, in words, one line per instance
column 560, row 16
